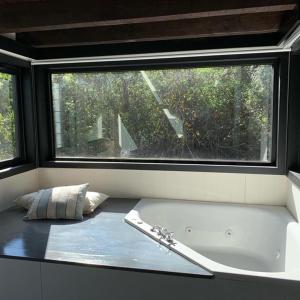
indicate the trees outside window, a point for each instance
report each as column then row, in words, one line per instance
column 201, row 113
column 8, row 148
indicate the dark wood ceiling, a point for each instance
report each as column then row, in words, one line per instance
column 66, row 23
column 17, row 1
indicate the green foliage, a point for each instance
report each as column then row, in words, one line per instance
column 225, row 112
column 7, row 118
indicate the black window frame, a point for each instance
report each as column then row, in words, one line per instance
column 18, row 115
column 279, row 127
column 24, row 117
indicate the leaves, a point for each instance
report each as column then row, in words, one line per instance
column 225, row 112
column 7, row 118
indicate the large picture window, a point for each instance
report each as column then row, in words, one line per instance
column 213, row 113
column 8, row 128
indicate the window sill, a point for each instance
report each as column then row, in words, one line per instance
column 161, row 166
column 11, row 171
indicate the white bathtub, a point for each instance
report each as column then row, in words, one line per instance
column 251, row 240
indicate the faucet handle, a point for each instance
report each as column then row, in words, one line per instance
column 169, row 236
column 164, row 232
column 156, row 228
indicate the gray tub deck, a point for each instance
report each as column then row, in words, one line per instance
column 103, row 239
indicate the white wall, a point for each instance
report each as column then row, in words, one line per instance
column 14, row 186
column 293, row 201
column 222, row 187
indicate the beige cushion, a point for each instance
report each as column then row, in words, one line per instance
column 65, row 202
column 91, row 202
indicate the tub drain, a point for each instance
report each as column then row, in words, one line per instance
column 188, row 229
column 228, row 233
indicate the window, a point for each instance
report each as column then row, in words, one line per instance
column 8, row 131
column 213, row 113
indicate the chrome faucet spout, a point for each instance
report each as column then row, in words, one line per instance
column 163, row 233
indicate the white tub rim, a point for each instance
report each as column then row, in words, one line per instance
column 133, row 218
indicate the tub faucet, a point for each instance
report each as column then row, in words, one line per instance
column 169, row 237
column 158, row 229
column 163, row 233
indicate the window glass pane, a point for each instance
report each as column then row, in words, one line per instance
column 8, row 149
column 207, row 113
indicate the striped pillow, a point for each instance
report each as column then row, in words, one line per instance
column 91, row 202
column 65, row 202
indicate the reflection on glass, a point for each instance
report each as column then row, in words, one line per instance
column 207, row 113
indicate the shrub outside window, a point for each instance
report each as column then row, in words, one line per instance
column 213, row 113
column 8, row 130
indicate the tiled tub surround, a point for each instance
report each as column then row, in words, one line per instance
column 293, row 200
column 17, row 185
column 202, row 186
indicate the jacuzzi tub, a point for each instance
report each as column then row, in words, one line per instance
column 251, row 240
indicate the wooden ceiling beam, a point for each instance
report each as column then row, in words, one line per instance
column 66, row 14
column 191, row 28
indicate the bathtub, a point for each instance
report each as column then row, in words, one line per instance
column 252, row 240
